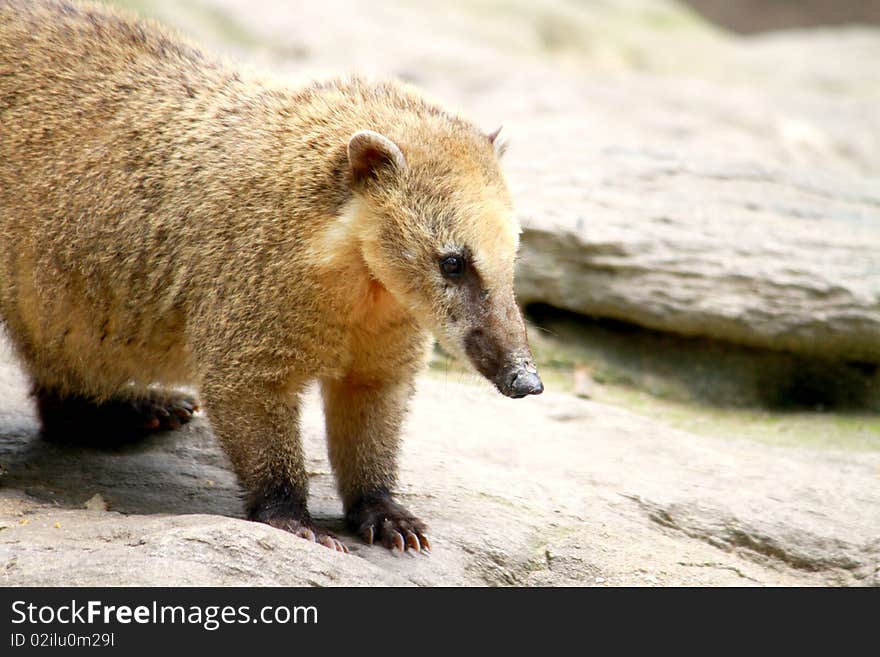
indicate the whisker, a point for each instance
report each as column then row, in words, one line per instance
column 541, row 328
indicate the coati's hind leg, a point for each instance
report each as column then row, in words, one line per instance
column 76, row 418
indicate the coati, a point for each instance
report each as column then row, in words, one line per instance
column 166, row 220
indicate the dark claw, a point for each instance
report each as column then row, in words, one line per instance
column 304, row 529
column 184, row 413
column 306, row 533
column 397, row 543
column 165, row 414
column 332, row 543
column 382, row 519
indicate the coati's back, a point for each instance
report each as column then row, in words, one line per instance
column 86, row 94
column 90, row 111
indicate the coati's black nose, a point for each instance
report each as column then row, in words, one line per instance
column 524, row 383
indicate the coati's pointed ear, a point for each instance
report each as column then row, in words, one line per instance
column 499, row 141
column 369, row 152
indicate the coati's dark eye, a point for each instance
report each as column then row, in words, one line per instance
column 452, row 266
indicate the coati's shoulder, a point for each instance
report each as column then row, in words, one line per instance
column 390, row 94
column 91, row 30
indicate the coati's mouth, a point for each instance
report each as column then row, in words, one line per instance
column 523, row 382
column 512, row 372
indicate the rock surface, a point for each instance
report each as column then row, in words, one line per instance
column 554, row 490
column 685, row 217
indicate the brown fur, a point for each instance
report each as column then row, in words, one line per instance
column 167, row 220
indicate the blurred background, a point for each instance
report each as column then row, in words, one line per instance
column 698, row 182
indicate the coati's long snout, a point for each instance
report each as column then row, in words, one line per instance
column 499, row 350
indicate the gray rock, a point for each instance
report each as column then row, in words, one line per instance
column 747, row 211
column 674, row 239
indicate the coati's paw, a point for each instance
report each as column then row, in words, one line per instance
column 164, row 413
column 76, row 418
column 283, row 505
column 379, row 518
column 308, row 531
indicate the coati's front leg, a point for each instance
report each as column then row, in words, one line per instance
column 364, row 418
column 258, row 427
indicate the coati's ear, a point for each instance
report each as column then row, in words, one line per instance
column 499, row 141
column 369, row 153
